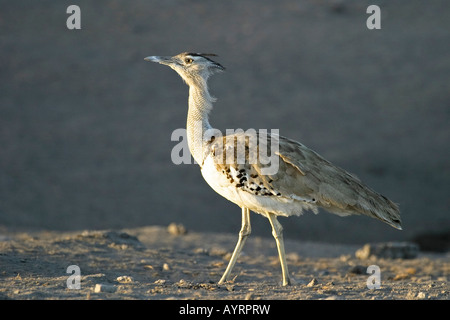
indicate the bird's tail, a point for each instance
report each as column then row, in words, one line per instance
column 378, row 206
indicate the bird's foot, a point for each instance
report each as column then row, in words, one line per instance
column 288, row 282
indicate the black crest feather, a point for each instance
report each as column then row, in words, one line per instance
column 206, row 55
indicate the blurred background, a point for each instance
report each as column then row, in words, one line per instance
column 85, row 122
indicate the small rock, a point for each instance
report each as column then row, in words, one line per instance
column 176, row 229
column 334, row 297
column 201, row 251
column 421, row 295
column 166, row 267
column 160, row 282
column 401, row 276
column 125, row 279
column 121, row 240
column 410, row 295
column 183, row 284
column 389, row 250
column 405, row 274
column 104, row 288
column 312, row 283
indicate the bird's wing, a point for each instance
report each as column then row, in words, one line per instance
column 301, row 175
column 334, row 188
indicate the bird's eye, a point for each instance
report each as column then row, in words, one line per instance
column 188, row 60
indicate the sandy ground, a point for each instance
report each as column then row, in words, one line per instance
column 151, row 263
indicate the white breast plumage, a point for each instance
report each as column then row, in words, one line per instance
column 239, row 186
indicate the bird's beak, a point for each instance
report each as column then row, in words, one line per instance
column 158, row 59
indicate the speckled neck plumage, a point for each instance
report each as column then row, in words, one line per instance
column 200, row 104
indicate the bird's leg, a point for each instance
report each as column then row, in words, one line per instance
column 277, row 232
column 243, row 234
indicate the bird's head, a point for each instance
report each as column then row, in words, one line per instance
column 190, row 66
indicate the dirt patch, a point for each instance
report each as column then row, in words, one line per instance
column 152, row 263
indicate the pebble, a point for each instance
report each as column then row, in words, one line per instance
column 405, row 274
column 104, row 288
column 125, row 279
column 176, row 229
column 421, row 295
column 183, row 284
column 388, row 250
column 201, row 251
column 412, row 296
column 160, row 281
column 166, row 267
column 312, row 283
column 334, row 297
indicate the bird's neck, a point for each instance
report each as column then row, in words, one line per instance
column 200, row 104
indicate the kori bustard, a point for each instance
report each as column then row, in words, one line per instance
column 303, row 179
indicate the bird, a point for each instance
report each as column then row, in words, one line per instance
column 233, row 166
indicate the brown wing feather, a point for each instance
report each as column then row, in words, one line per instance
column 337, row 190
column 302, row 175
